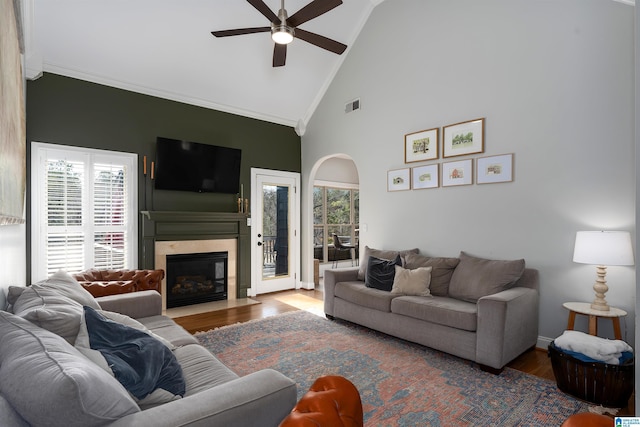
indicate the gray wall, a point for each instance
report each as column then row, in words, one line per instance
column 554, row 80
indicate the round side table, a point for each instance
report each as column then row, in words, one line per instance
column 585, row 308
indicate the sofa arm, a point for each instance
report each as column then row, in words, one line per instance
column 260, row 399
column 507, row 326
column 134, row 304
column 331, row 277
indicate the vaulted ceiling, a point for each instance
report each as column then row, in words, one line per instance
column 165, row 48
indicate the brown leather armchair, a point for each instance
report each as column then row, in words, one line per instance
column 111, row 282
column 332, row 401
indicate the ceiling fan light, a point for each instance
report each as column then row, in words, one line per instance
column 282, row 34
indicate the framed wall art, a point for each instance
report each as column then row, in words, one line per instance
column 398, row 180
column 463, row 138
column 457, row 173
column 425, row 177
column 421, row 146
column 493, row 169
column 12, row 118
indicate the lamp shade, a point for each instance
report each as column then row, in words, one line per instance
column 603, row 248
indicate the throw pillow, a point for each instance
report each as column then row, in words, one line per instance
column 138, row 361
column 412, row 282
column 442, row 270
column 64, row 284
column 48, row 382
column 388, row 255
column 475, row 278
column 381, row 272
column 50, row 310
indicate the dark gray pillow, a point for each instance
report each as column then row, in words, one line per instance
column 475, row 278
column 442, row 270
column 389, row 255
column 381, row 272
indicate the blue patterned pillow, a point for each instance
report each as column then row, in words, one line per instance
column 380, row 273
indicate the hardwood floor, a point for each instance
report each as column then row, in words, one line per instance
column 534, row 362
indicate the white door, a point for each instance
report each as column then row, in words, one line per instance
column 275, row 222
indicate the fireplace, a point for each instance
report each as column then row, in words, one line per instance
column 165, row 250
column 196, row 278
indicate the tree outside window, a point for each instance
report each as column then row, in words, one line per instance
column 335, row 211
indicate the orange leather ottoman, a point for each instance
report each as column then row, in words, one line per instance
column 332, row 401
column 587, row 419
column 111, row 282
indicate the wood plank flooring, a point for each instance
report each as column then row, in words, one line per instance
column 534, row 362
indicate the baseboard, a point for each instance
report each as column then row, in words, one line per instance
column 307, row 285
column 543, row 342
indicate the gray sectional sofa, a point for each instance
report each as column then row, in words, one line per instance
column 48, row 379
column 474, row 308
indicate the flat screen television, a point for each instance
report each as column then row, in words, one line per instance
column 192, row 166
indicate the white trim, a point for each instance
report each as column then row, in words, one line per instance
column 38, row 154
column 627, row 2
column 295, row 225
column 335, row 184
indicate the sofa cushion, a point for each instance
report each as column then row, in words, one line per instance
column 358, row 293
column 380, row 273
column 440, row 310
column 140, row 362
column 166, row 328
column 381, row 254
column 50, row 383
column 475, row 278
column 201, row 369
column 412, row 282
column 442, row 270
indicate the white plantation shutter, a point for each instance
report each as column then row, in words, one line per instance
column 83, row 209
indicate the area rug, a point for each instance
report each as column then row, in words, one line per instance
column 400, row 383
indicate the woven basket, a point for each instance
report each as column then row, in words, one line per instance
column 595, row 382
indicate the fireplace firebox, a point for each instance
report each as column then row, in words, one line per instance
column 196, row 278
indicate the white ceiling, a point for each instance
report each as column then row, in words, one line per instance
column 165, row 48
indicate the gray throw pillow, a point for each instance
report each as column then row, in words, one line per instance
column 64, row 284
column 381, row 273
column 389, row 255
column 49, row 310
column 442, row 270
column 55, row 304
column 475, row 278
column 48, row 382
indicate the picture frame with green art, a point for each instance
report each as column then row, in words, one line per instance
column 421, row 146
column 463, row 138
column 425, row 177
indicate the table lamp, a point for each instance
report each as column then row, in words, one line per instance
column 602, row 248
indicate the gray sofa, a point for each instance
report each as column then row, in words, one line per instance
column 45, row 380
column 477, row 309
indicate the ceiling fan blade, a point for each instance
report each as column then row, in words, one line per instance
column 312, row 10
column 321, row 41
column 264, row 9
column 279, row 54
column 240, row 31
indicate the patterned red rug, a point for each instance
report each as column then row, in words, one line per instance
column 400, row 383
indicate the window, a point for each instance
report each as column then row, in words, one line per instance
column 83, row 209
column 335, row 211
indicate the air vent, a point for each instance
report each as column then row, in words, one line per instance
column 352, row 106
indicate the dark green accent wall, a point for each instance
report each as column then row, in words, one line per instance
column 63, row 110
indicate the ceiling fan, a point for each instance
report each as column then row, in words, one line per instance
column 284, row 28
